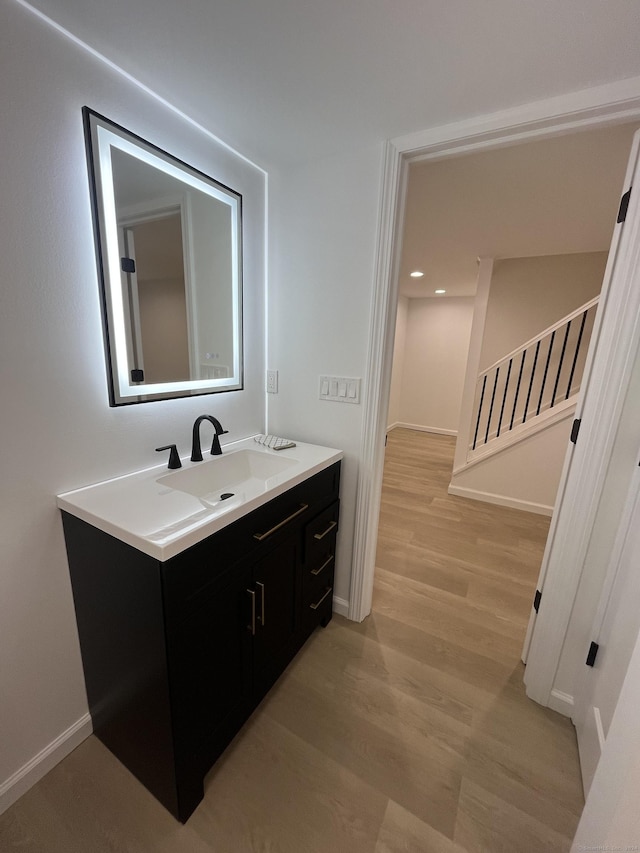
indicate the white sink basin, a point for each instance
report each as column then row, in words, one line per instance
column 162, row 513
column 229, row 475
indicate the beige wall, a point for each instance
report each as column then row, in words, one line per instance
column 529, row 294
column 161, row 299
column 428, row 392
column 524, row 476
column 163, row 323
column 526, row 296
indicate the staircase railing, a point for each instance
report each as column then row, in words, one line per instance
column 533, row 378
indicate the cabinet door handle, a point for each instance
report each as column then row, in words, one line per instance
column 261, row 617
column 318, row 603
column 252, row 626
column 323, row 566
column 332, row 524
column 261, row 536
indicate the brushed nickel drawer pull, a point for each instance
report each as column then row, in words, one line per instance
column 323, row 566
column 332, row 524
column 252, row 626
column 261, row 617
column 261, row 536
column 318, row 603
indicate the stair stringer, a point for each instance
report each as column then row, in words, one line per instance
column 521, row 468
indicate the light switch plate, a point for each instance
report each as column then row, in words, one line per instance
column 340, row 389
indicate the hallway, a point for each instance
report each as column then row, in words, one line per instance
column 454, row 584
column 409, row 732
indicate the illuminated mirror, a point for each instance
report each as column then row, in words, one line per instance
column 168, row 241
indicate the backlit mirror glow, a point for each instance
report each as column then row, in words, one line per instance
column 169, row 255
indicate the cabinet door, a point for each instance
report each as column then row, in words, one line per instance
column 277, row 586
column 210, row 652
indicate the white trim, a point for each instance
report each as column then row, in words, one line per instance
column 378, row 382
column 607, row 373
column 420, row 428
column 34, row 770
column 340, row 606
column 600, row 106
column 561, row 702
column 599, row 728
column 480, row 302
column 609, row 104
column 540, row 337
column 564, row 410
column 500, row 500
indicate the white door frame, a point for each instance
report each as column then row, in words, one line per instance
column 608, row 370
column 605, row 105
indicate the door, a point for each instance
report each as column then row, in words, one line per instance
column 580, row 505
column 277, row 586
column 617, row 620
column 211, row 664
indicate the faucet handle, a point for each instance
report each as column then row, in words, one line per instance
column 174, row 458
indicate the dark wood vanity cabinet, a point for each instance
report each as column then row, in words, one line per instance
column 177, row 654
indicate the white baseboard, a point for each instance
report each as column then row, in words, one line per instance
column 500, row 500
column 340, row 606
column 561, row 702
column 31, row 772
column 421, row 428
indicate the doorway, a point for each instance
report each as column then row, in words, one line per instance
column 617, row 337
column 516, row 206
column 501, row 130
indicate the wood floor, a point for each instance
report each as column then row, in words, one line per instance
column 409, row 732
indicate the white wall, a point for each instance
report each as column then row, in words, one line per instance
column 434, row 362
column 399, row 343
column 322, row 250
column 58, row 431
column 55, row 436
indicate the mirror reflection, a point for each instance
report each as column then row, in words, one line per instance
column 169, row 256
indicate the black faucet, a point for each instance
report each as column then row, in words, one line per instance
column 216, row 450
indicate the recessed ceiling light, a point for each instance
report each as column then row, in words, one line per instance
column 441, row 291
column 416, row 274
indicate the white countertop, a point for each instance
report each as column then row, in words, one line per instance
column 142, row 510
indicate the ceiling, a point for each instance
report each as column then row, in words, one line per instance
column 554, row 196
column 316, row 78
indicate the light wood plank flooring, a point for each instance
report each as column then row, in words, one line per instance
column 410, row 732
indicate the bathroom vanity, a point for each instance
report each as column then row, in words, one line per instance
column 190, row 605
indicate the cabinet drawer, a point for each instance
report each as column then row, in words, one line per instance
column 320, row 603
column 319, row 563
column 320, row 537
